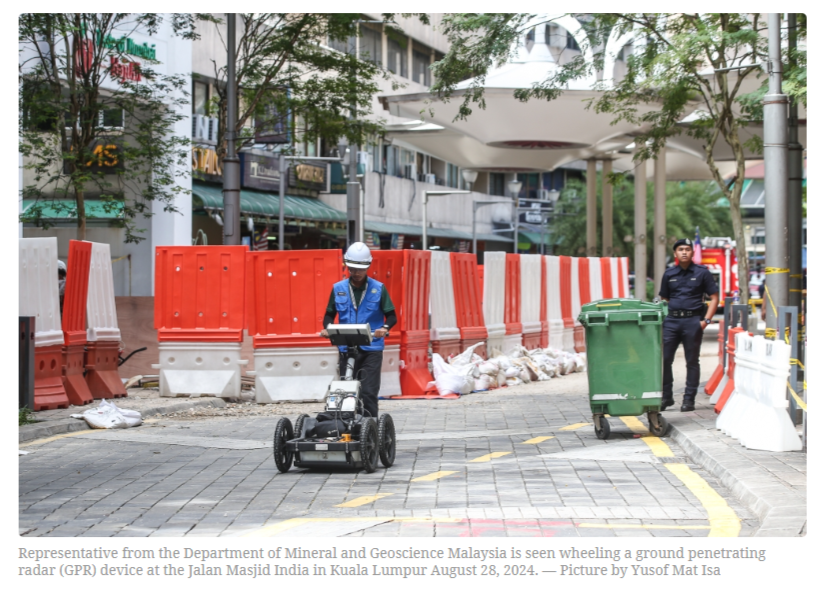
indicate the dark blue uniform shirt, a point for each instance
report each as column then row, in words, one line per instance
column 687, row 289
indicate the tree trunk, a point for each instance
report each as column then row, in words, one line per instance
column 80, row 195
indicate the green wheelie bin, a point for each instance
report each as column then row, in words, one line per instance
column 624, row 360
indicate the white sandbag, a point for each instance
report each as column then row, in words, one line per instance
column 518, row 351
column 503, row 362
column 466, row 356
column 511, row 372
column 514, row 381
column 467, row 384
column 489, row 368
column 108, row 416
column 483, row 383
column 501, row 379
column 449, row 384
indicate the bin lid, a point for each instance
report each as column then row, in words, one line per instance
column 623, row 305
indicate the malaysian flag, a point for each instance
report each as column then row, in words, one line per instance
column 373, row 241
column 464, row 246
column 259, row 237
column 696, row 248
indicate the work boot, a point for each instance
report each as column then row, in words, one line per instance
column 667, row 403
column 688, row 405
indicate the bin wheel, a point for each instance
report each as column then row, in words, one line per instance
column 368, row 445
column 283, row 434
column 299, row 425
column 387, row 439
column 661, row 430
column 603, row 432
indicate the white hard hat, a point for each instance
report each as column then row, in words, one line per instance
column 358, row 256
column 61, row 266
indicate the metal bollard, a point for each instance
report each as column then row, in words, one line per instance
column 27, row 362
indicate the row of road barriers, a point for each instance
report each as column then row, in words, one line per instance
column 76, row 353
column 207, row 296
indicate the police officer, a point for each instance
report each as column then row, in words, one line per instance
column 685, row 287
column 361, row 299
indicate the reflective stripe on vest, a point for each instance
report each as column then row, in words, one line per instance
column 368, row 311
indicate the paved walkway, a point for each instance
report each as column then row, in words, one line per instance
column 513, row 462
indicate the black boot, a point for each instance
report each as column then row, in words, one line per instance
column 688, row 405
column 667, row 403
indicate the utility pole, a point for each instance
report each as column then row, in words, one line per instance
column 231, row 182
column 775, row 155
column 354, row 215
column 795, row 198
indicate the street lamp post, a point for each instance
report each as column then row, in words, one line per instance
column 475, row 205
column 231, row 182
column 425, row 208
column 515, row 187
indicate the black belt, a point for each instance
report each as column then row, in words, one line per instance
column 685, row 314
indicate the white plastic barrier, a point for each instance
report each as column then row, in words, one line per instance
column 443, row 308
column 575, row 290
column 554, row 304
column 615, row 269
column 39, row 289
column 743, row 399
column 101, row 308
column 493, row 298
column 596, row 291
column 390, row 373
column 625, row 272
column 757, row 412
column 530, row 271
column 200, row 370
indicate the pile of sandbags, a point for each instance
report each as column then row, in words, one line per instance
column 468, row 372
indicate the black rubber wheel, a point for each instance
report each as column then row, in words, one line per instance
column 283, row 434
column 604, row 432
column 387, row 439
column 661, row 430
column 299, row 425
column 369, row 445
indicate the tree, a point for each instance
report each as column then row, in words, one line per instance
column 689, row 205
column 284, row 68
column 677, row 63
column 96, row 123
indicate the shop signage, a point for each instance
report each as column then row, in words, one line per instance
column 259, row 172
column 307, row 176
column 206, row 162
column 105, row 158
column 128, row 46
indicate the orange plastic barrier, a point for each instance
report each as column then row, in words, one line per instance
column 73, row 323
column 730, row 384
column 199, row 294
column 49, row 392
column 481, row 277
column 287, row 294
column 102, row 370
column 76, row 292
column 415, row 336
column 543, row 305
column 607, row 277
column 579, row 343
column 717, row 375
column 513, row 289
column 624, row 276
column 468, row 302
column 566, row 296
column 387, row 267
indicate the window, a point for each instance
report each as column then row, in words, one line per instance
column 530, row 185
column 419, row 67
column 452, row 175
column 112, row 118
column 397, row 58
column 496, row 184
column 343, row 45
column 571, row 43
column 371, row 45
column 201, row 95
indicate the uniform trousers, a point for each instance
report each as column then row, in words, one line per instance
column 687, row 331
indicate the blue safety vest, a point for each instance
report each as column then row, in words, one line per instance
column 368, row 311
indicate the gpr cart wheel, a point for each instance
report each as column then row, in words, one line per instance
column 603, row 432
column 368, row 445
column 299, row 425
column 283, row 434
column 661, row 430
column 387, row 439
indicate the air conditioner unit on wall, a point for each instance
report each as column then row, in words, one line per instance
column 410, row 171
column 213, row 130
column 200, row 127
column 430, row 179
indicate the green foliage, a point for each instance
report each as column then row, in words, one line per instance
column 26, row 416
column 689, row 204
column 284, row 68
column 64, row 136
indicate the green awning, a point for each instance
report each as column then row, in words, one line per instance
column 535, row 238
column 257, row 203
column 66, row 209
column 411, row 230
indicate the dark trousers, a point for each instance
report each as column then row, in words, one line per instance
column 367, row 371
column 687, row 331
